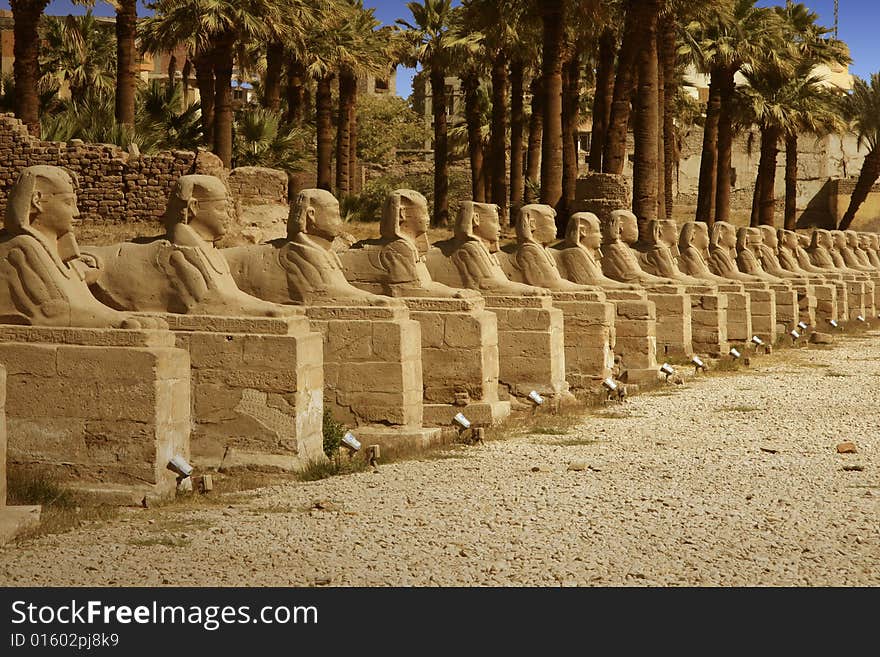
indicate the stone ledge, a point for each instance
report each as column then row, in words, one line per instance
column 87, row 337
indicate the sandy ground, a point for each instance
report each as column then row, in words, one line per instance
column 728, row 480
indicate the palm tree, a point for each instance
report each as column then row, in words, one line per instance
column 731, row 35
column 614, row 152
column 79, row 56
column 126, row 31
column 262, row 139
column 216, row 30
column 862, row 108
column 433, row 45
column 552, row 19
column 26, row 16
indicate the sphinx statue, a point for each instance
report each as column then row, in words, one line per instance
column 579, row 255
column 853, row 254
column 843, row 251
column 469, row 259
column 767, row 254
column 792, row 255
column 819, row 250
column 45, row 276
column 748, row 252
column 394, row 264
column 619, row 261
column 303, row 267
column 869, row 243
column 659, row 253
column 693, row 247
column 181, row 271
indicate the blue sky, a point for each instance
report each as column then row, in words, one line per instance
column 859, row 21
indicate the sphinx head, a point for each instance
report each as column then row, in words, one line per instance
column 838, row 239
column 404, row 215
column 787, row 239
column 865, row 241
column 629, row 225
column 669, row 233
column 536, row 223
column 768, row 236
column 583, row 230
column 852, row 239
column 695, row 234
column 202, row 203
column 315, row 212
column 479, row 221
column 43, row 198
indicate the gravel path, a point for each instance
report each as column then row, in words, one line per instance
column 728, row 480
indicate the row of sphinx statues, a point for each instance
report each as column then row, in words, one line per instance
column 471, row 319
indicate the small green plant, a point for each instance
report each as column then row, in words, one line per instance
column 333, row 433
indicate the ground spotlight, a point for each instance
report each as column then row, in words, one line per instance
column 757, row 341
column 462, row 421
column 535, row 397
column 833, row 323
column 698, row 364
column 794, row 336
column 803, row 326
column 734, row 353
column 350, row 442
column 860, row 318
column 180, row 466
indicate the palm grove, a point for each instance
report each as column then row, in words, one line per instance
column 530, row 71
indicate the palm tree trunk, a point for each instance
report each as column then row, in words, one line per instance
column 536, row 133
column 272, row 83
column 551, row 144
column 441, row 148
column 756, row 203
column 571, row 86
column 661, row 121
column 614, row 154
column 470, row 83
column 126, row 29
column 354, row 178
column 185, row 74
column 517, row 127
column 647, row 123
column 295, row 91
column 709, row 157
column 205, row 84
column 498, row 137
column 347, row 80
column 26, row 54
column 223, row 63
column 767, row 175
column 171, row 72
column 867, row 177
column 791, row 178
column 603, row 96
column 725, row 146
column 324, row 130
column 672, row 81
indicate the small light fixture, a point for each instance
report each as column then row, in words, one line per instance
column 610, row 384
column 350, row 442
column 803, row 326
column 462, row 421
column 615, row 390
column 667, row 370
column 860, row 318
column 535, row 397
column 833, row 323
column 180, row 466
column 794, row 336
column 734, row 353
column 757, row 341
column 698, row 364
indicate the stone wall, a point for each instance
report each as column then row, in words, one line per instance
column 258, row 185
column 114, row 184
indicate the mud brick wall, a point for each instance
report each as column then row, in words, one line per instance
column 114, row 185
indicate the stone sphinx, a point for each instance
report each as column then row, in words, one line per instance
column 856, row 245
column 579, row 259
column 95, row 407
column 180, row 271
column 372, row 348
column 782, row 247
column 301, row 268
column 246, row 353
column 822, row 254
column 693, row 254
column 589, row 319
column 788, row 311
column 530, row 330
column 621, row 263
column 459, row 336
column 848, row 245
column 809, row 292
column 722, row 262
column 44, row 277
column 869, row 243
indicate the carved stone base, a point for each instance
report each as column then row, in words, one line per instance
column 787, row 309
column 635, row 332
column 257, row 386
column 674, row 329
column 708, row 321
column 763, row 303
column 739, row 313
column 589, row 338
column 97, row 408
column 531, row 346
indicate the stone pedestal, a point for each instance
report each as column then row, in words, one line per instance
column 13, row 519
column 531, row 346
column 102, row 411
column 373, row 372
column 827, row 302
column 807, row 302
column 859, row 293
column 708, row 321
column 739, row 312
column 589, row 338
column 763, row 302
column 674, row 332
column 635, row 335
column 460, row 363
column 257, row 387
column 787, row 308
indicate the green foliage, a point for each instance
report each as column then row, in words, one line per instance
column 333, row 433
column 262, row 139
column 160, row 110
column 385, row 124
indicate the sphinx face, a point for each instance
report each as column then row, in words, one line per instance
column 768, row 235
column 852, row 239
column 414, row 222
column 668, row 232
column 544, row 227
column 629, row 227
column 789, row 239
column 727, row 236
column 824, row 239
column 864, row 241
column 700, row 239
column 55, row 205
column 487, row 225
column 211, row 211
column 326, row 221
column 590, row 233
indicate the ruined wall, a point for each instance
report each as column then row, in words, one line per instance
column 114, row 185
